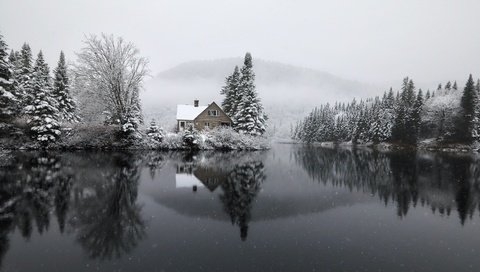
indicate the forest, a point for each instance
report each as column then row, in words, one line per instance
column 408, row 117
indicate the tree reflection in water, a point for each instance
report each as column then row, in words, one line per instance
column 99, row 205
column 443, row 181
column 239, row 191
column 94, row 195
column 108, row 219
column 239, row 175
column 27, row 190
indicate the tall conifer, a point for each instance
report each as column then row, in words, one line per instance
column 249, row 117
column 61, row 92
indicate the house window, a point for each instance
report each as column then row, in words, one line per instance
column 207, row 124
column 182, row 124
column 212, row 112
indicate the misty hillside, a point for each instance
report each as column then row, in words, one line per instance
column 309, row 82
column 288, row 92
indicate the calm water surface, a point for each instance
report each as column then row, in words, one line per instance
column 292, row 208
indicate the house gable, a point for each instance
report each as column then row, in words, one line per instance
column 206, row 120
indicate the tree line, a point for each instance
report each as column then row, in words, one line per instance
column 28, row 90
column 108, row 73
column 408, row 116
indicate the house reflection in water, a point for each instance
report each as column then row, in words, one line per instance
column 191, row 175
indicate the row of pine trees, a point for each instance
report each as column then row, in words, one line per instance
column 28, row 91
column 405, row 117
column 241, row 100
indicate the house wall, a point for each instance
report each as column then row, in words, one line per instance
column 214, row 121
column 188, row 124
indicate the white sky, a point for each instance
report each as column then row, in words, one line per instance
column 369, row 40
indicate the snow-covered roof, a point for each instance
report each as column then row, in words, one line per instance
column 189, row 112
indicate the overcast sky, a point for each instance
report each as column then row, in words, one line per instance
column 371, row 40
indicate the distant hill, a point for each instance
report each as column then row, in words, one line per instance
column 288, row 92
column 296, row 81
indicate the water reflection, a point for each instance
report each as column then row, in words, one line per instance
column 99, row 200
column 104, row 202
column 238, row 175
column 107, row 218
column 443, row 181
column 239, row 190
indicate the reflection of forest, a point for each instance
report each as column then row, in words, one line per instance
column 442, row 181
column 91, row 195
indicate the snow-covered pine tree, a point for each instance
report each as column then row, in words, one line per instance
column 476, row 120
column 230, row 91
column 25, row 85
column 249, row 117
column 387, row 116
column 154, row 132
column 14, row 61
column 448, row 86
column 464, row 124
column 455, row 87
column 416, row 112
column 61, row 92
column 427, row 95
column 43, row 111
column 8, row 101
column 404, row 129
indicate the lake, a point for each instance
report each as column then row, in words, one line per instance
column 292, row 208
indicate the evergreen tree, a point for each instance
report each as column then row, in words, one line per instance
column 154, row 132
column 42, row 112
column 14, row 60
column 8, row 102
column 448, row 86
column 230, row 90
column 455, row 87
column 465, row 121
column 61, row 92
column 416, row 114
column 476, row 121
column 405, row 129
column 25, row 84
column 249, row 117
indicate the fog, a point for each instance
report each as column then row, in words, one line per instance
column 373, row 41
column 306, row 53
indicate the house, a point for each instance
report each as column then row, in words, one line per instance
column 201, row 117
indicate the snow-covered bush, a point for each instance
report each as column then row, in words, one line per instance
column 226, row 138
column 220, row 138
column 89, row 136
column 154, row 132
column 171, row 141
column 191, row 139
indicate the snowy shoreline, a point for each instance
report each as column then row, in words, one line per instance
column 426, row 145
column 106, row 138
